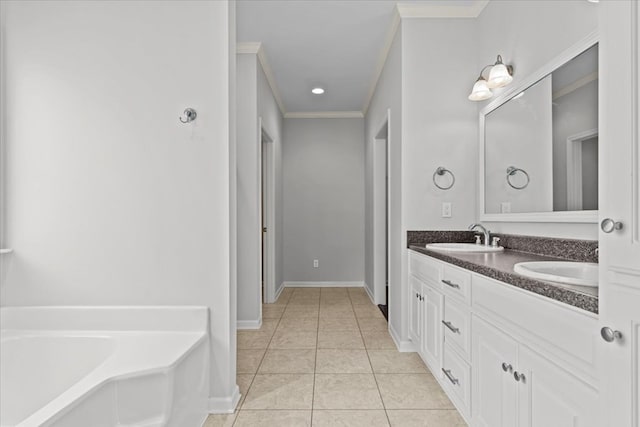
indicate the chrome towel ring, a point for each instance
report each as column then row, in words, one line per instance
column 512, row 170
column 440, row 172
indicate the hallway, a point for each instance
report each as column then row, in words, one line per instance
column 323, row 357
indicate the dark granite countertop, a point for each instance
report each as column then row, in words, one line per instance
column 499, row 266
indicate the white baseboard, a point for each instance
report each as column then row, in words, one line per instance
column 323, row 284
column 278, row 292
column 404, row 346
column 224, row 405
column 249, row 324
column 371, row 297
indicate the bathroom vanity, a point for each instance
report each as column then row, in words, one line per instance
column 507, row 350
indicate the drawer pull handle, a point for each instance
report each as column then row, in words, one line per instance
column 450, row 283
column 453, row 380
column 507, row 367
column 609, row 335
column 450, row 326
column 518, row 376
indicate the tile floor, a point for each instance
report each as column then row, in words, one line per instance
column 323, row 357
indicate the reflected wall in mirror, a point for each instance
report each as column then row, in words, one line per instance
column 541, row 145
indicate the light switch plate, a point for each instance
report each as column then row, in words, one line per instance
column 446, row 209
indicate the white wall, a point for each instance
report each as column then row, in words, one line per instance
column 513, row 29
column 387, row 97
column 249, row 248
column 323, row 183
column 272, row 122
column 255, row 100
column 110, row 199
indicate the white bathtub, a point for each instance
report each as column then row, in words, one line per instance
column 103, row 366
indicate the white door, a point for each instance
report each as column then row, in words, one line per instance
column 432, row 329
column 549, row 396
column 494, row 396
column 620, row 201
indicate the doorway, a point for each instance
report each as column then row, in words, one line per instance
column 267, row 217
column 381, row 216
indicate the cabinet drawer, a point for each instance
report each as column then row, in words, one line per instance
column 457, row 283
column 425, row 269
column 457, row 380
column 456, row 322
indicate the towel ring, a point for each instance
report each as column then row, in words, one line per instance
column 512, row 170
column 441, row 171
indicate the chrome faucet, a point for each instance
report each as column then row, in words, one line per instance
column 487, row 233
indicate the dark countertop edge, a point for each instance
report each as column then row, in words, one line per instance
column 566, row 296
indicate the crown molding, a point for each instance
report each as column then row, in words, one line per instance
column 325, row 115
column 248, row 47
column 415, row 10
column 382, row 59
column 256, row 48
column 418, row 10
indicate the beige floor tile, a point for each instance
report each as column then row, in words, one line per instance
column 346, row 391
column 378, row 340
column 280, row 391
column 247, row 418
column 288, row 362
column 244, row 382
column 273, row 311
column 311, row 301
column 350, row 418
column 253, row 339
column 334, row 291
column 367, row 311
column 359, row 299
column 434, row 418
column 357, row 291
column 269, row 325
column 222, row 420
column 340, row 339
column 394, row 362
column 335, row 302
column 300, row 312
column 412, row 391
column 334, row 324
column 304, row 324
column 377, row 324
column 337, row 312
column 342, row 362
column 294, row 339
column 249, row 360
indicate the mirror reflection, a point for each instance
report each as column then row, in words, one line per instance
column 541, row 146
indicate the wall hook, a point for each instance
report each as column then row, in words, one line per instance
column 189, row 115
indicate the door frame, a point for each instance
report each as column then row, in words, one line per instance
column 574, row 168
column 266, row 260
column 381, row 211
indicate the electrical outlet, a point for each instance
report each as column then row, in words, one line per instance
column 315, row 263
column 446, row 210
column 505, row 207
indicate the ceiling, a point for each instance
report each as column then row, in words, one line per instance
column 338, row 45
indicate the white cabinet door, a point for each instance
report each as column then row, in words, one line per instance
column 415, row 315
column 494, row 395
column 432, row 332
column 620, row 200
column 551, row 397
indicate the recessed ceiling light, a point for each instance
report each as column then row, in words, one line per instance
column 317, row 91
column 593, row 1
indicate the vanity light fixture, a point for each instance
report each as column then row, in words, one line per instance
column 317, row 91
column 500, row 75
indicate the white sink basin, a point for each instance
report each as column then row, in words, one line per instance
column 572, row 273
column 462, row 247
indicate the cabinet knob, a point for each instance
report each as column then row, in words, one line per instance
column 609, row 335
column 507, row 367
column 608, row 225
column 518, row 376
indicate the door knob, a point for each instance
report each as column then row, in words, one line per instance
column 609, row 335
column 608, row 225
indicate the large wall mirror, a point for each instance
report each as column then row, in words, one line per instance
column 539, row 145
